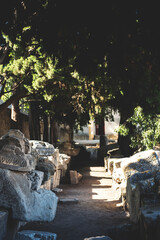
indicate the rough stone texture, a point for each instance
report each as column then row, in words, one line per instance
column 138, row 178
column 31, row 235
column 3, row 223
column 141, row 191
column 64, row 161
column 140, row 175
column 99, row 238
column 150, row 223
column 73, row 177
column 141, row 162
column 5, row 121
column 47, row 167
column 51, row 162
column 14, row 152
column 15, row 136
column 55, row 181
column 35, row 178
column 41, row 148
column 27, row 205
column 68, row 200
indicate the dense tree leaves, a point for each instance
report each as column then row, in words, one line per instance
column 113, row 46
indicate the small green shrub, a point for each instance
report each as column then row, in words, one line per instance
column 145, row 132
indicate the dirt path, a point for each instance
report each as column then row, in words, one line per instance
column 95, row 214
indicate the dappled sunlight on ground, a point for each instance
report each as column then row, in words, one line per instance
column 95, row 211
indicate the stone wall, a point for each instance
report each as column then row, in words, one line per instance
column 5, row 123
column 137, row 180
column 21, row 197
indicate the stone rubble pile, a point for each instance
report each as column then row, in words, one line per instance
column 53, row 164
column 138, row 180
column 28, row 171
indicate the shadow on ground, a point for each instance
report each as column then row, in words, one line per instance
column 96, row 212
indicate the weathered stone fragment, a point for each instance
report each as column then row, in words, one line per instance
column 150, row 223
column 16, row 137
column 35, row 178
column 73, row 177
column 139, row 186
column 27, row 205
column 99, row 238
column 68, row 200
column 3, row 223
column 13, row 148
column 47, row 167
column 141, row 162
column 33, row 235
column 41, row 148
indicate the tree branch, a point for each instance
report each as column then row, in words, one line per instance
column 18, row 95
column 4, row 54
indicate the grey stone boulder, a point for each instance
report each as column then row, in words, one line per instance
column 150, row 223
column 47, row 167
column 16, row 137
column 33, row 235
column 16, row 193
column 11, row 157
column 35, row 179
column 139, row 187
column 3, row 223
column 141, row 162
column 14, row 152
column 41, row 148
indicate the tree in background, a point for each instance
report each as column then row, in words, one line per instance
column 103, row 54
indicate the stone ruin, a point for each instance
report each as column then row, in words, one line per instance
column 53, row 164
column 137, row 178
column 28, row 171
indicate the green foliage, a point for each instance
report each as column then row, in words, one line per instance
column 123, row 130
column 145, row 129
column 29, row 67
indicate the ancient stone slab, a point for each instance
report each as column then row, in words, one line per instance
column 16, row 137
column 33, row 235
column 68, row 200
column 98, row 238
column 141, row 162
column 13, row 152
column 57, row 190
column 47, row 167
column 137, row 177
column 41, row 148
column 150, row 223
column 138, row 185
column 27, row 205
column 3, row 223
column 73, row 177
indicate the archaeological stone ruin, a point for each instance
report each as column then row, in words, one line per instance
column 137, row 178
column 29, row 170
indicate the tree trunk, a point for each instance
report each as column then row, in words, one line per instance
column 55, row 132
column 45, row 131
column 34, row 123
column 125, row 141
column 15, row 116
